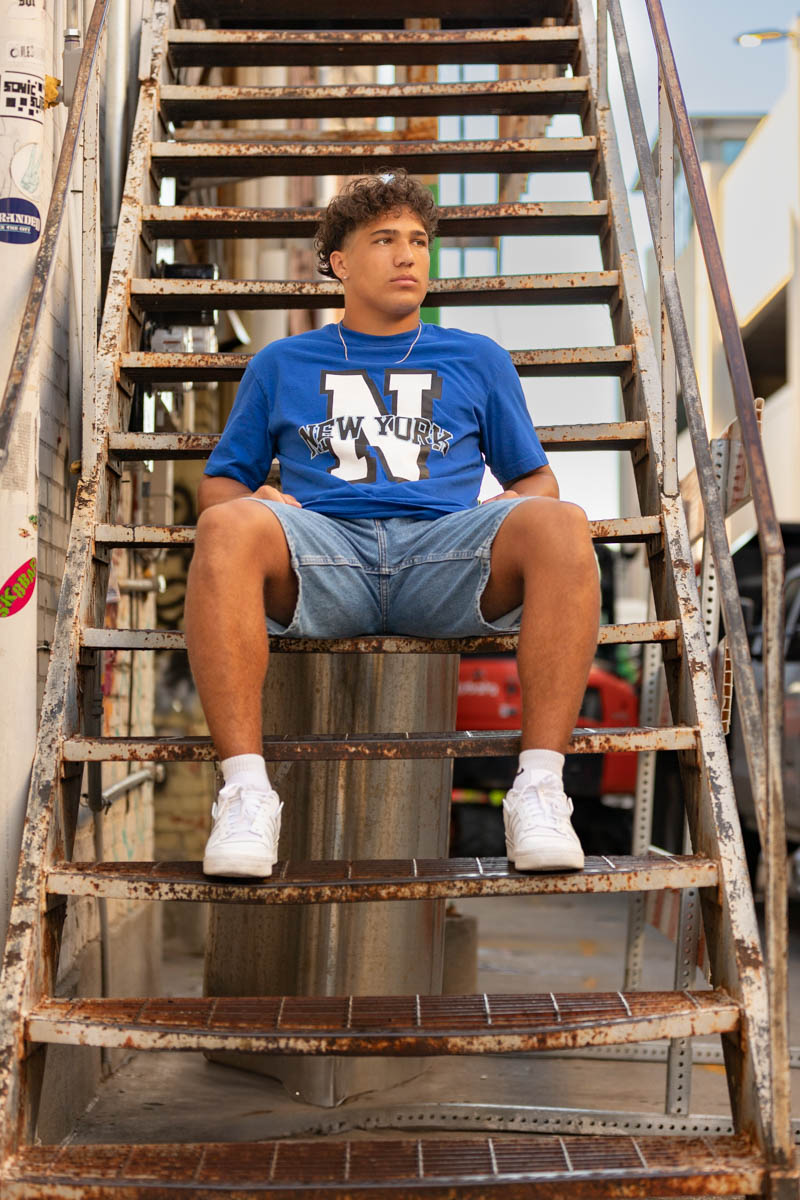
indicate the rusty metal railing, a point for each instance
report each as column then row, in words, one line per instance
column 761, row 725
column 48, row 248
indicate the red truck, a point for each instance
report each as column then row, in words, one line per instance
column 601, row 785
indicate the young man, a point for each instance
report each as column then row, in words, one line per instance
column 381, row 425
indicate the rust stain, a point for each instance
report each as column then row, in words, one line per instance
column 466, row 1168
column 344, row 881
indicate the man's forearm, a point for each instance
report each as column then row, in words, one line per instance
column 216, row 489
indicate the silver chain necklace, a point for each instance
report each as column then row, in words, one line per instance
column 399, row 360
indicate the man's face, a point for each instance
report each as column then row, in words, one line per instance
column 384, row 265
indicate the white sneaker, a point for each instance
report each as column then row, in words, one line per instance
column 244, row 836
column 539, row 833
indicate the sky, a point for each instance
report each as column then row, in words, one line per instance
column 717, row 76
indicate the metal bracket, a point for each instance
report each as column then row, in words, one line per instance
column 650, row 705
column 679, row 1055
column 506, row 1118
column 72, row 58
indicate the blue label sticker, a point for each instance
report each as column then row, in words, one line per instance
column 20, row 221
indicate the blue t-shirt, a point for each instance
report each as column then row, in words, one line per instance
column 371, row 436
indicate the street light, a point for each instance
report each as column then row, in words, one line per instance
column 756, row 37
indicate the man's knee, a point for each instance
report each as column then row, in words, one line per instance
column 239, row 528
column 559, row 522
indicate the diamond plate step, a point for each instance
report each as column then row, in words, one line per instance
column 427, row 1025
column 622, row 435
column 329, row 747
column 151, row 368
column 632, row 634
column 502, row 97
column 369, row 47
column 543, row 218
column 622, row 529
column 470, row 1168
column 235, row 159
column 387, row 879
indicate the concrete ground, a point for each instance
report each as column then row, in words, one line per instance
column 526, row 944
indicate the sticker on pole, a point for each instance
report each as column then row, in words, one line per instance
column 18, row 589
column 20, row 221
column 22, row 96
column 26, row 169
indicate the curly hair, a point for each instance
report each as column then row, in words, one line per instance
column 366, row 198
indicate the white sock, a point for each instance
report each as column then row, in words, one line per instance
column 533, row 764
column 245, row 770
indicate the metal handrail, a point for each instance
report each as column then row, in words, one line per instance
column 750, row 708
column 762, row 729
column 769, row 532
column 46, row 255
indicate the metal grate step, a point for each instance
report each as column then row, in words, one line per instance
column 622, row 435
column 334, row 47
column 428, row 1025
column 623, row 529
column 329, row 747
column 457, row 220
column 502, row 97
column 632, row 634
column 234, row 159
column 152, row 368
column 340, row 881
column 438, row 1168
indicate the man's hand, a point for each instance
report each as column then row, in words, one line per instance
column 218, row 489
column 270, row 493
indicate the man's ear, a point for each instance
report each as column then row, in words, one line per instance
column 338, row 265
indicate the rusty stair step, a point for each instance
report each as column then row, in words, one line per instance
column 416, row 745
column 193, row 295
column 501, row 97
column 621, row 529
column 147, row 367
column 342, row 881
column 237, row 12
column 547, row 1167
column 426, row 1025
column 229, row 158
column 618, row 435
column 370, row 47
column 456, row 220
column 632, row 633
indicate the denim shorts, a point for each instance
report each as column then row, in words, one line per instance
column 420, row 578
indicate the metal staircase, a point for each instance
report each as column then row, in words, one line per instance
column 757, row 1159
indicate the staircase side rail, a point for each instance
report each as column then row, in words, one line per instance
column 769, row 531
column 48, row 247
column 762, row 730
column 28, row 960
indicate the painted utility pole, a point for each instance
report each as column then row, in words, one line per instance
column 793, row 291
column 24, row 196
